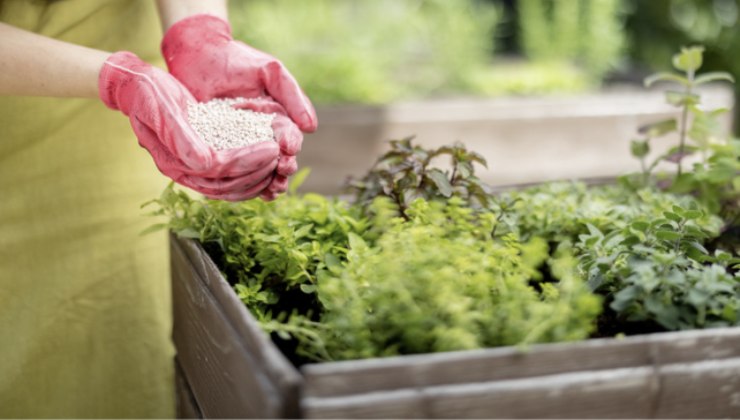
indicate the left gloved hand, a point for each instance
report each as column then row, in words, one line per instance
column 201, row 53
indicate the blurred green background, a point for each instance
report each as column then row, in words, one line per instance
column 377, row 51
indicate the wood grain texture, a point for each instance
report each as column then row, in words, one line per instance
column 226, row 378
column 186, row 406
column 347, row 378
column 659, row 375
column 255, row 341
column 708, row 389
column 624, row 393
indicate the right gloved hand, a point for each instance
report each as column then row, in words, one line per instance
column 156, row 104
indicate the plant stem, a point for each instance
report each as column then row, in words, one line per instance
column 684, row 123
column 645, row 172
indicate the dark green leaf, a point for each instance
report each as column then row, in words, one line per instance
column 440, row 180
column 639, row 148
column 659, row 128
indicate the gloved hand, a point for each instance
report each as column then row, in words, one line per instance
column 156, row 104
column 201, row 53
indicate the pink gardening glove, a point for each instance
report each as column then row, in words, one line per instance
column 156, row 104
column 201, row 53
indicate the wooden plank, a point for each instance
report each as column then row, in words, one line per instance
column 186, row 406
column 280, row 371
column 696, row 345
column 354, row 377
column 400, row 404
column 709, row 389
column 345, row 378
column 225, row 378
column 617, row 393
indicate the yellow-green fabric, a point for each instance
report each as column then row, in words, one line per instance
column 85, row 311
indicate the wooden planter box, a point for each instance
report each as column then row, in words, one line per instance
column 227, row 367
column 555, row 137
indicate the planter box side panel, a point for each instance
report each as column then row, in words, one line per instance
column 636, row 377
column 227, row 378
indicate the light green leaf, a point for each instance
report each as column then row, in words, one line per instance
column 673, row 216
column 689, row 59
column 308, row 288
column 298, row 179
column 681, row 98
column 188, row 233
column 713, row 77
column 668, row 235
column 665, row 77
column 356, row 242
column 153, row 228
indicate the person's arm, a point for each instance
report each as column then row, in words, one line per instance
column 35, row 65
column 172, row 11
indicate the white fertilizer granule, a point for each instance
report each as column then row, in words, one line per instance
column 224, row 127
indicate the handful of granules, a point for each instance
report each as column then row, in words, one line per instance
column 223, row 127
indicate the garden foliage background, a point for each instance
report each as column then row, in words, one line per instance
column 377, row 51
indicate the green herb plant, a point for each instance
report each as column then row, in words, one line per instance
column 407, row 172
column 715, row 178
column 437, row 282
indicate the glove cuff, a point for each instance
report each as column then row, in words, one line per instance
column 117, row 70
column 193, row 33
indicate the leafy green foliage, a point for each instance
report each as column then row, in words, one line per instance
column 645, row 251
column 658, row 269
column 705, row 126
column 584, row 32
column 657, row 26
column 560, row 212
column 461, row 290
column 406, row 173
column 372, row 51
column 716, row 177
column 270, row 252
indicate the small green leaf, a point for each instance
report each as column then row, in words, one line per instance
column 668, row 235
column 440, row 180
column 477, row 157
column 681, row 98
column 693, row 214
column 188, row 233
column 308, row 288
column 665, row 77
column 673, row 216
column 689, row 59
column 659, row 128
column 713, row 76
column 640, row 225
column 356, row 242
column 298, row 180
column 153, row 228
column 639, row 148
